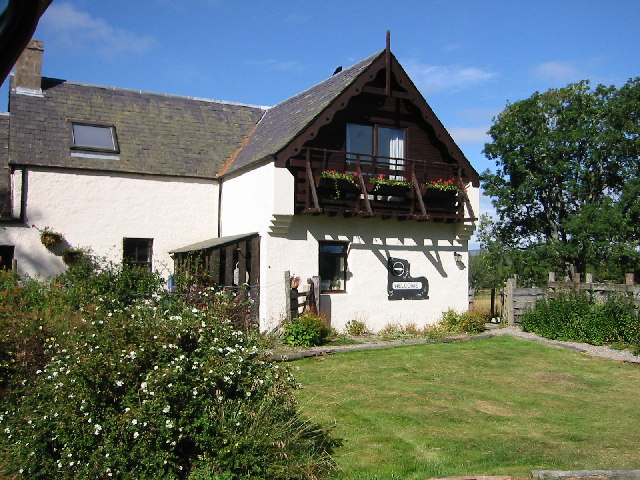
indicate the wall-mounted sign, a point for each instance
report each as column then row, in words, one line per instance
column 401, row 286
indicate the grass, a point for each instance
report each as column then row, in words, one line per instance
column 499, row 406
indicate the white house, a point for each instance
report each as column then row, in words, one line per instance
column 354, row 180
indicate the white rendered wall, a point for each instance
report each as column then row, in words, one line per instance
column 429, row 247
column 253, row 200
column 250, row 203
column 98, row 210
column 250, row 200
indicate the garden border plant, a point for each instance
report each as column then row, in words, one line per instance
column 150, row 386
column 578, row 317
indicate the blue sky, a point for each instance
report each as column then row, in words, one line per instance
column 467, row 57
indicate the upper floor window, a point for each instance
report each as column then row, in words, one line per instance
column 96, row 137
column 375, row 140
column 138, row 251
column 383, row 142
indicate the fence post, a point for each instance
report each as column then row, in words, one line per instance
column 287, row 294
column 629, row 279
column 315, row 286
column 493, row 303
column 510, row 288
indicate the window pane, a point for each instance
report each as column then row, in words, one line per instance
column 391, row 144
column 138, row 251
column 359, row 139
column 93, row 136
column 332, row 267
column 339, row 249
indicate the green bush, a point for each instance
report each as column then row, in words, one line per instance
column 577, row 317
column 157, row 388
column 307, row 330
column 355, row 328
column 471, row 321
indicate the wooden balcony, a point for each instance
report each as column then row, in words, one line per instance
column 360, row 193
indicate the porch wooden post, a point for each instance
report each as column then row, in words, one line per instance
column 228, row 266
column 254, row 273
column 242, row 263
column 214, row 264
column 287, row 295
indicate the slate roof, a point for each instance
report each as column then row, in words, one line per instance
column 283, row 122
column 213, row 242
column 157, row 134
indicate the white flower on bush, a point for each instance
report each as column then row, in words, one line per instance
column 166, row 409
column 169, row 424
column 96, row 429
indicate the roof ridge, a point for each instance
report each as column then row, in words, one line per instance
column 159, row 94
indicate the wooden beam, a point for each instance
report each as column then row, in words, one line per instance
column 363, row 187
column 242, row 263
column 416, row 189
column 387, row 58
column 214, row 265
column 254, row 272
column 383, row 92
column 311, row 183
column 229, row 266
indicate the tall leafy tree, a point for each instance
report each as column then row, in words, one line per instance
column 566, row 179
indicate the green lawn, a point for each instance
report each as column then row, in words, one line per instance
column 499, row 406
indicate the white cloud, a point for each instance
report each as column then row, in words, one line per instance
column 558, row 71
column 82, row 31
column 435, row 78
column 466, row 135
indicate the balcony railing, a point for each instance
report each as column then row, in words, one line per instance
column 353, row 187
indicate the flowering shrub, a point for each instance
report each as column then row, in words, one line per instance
column 157, row 388
column 442, row 185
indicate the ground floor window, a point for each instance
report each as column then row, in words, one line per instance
column 138, row 251
column 6, row 256
column 332, row 266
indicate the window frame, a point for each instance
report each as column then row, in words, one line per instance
column 375, row 147
column 139, row 246
column 8, row 254
column 89, row 148
column 344, row 254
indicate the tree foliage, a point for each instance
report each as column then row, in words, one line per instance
column 565, row 186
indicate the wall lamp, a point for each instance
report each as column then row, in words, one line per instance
column 457, row 257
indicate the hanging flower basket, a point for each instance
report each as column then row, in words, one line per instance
column 441, row 199
column 72, row 256
column 389, row 187
column 48, row 237
column 337, row 184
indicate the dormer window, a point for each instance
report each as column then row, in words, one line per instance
column 94, row 137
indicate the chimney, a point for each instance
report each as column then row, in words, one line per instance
column 27, row 78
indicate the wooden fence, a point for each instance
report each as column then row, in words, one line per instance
column 518, row 300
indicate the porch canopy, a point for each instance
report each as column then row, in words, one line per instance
column 228, row 261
